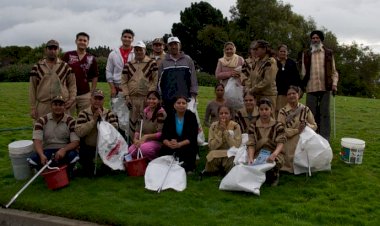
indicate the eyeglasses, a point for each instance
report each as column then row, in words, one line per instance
column 52, row 47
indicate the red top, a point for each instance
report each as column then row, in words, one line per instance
column 124, row 53
column 84, row 69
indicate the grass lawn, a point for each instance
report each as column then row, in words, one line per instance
column 348, row 195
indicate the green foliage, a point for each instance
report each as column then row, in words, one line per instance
column 12, row 54
column 102, row 63
column 15, row 73
column 205, row 79
column 100, row 51
column 348, row 195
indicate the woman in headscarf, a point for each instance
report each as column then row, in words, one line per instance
column 229, row 65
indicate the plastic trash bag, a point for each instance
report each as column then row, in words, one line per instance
column 233, row 93
column 313, row 153
column 192, row 106
column 246, row 178
column 111, row 146
column 240, row 153
column 160, row 171
column 121, row 110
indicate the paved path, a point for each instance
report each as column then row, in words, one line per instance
column 13, row 217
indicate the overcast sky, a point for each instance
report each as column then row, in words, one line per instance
column 33, row 22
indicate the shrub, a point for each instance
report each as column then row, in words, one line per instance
column 15, row 73
column 102, row 62
column 205, row 79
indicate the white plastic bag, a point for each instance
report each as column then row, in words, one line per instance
column 246, row 178
column 121, row 110
column 192, row 106
column 233, row 93
column 313, row 153
column 155, row 174
column 241, row 156
column 111, row 146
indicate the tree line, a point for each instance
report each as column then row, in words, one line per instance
column 203, row 30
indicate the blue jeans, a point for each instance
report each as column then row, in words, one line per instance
column 70, row 158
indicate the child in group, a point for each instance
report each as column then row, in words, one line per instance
column 152, row 121
column 267, row 134
column 223, row 134
column 249, row 113
column 211, row 114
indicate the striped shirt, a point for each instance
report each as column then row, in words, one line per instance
column 139, row 77
column 55, row 134
column 86, row 125
column 46, row 82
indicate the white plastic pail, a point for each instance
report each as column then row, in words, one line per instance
column 19, row 151
column 352, row 150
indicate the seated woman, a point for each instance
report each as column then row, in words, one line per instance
column 294, row 116
column 211, row 114
column 248, row 114
column 267, row 134
column 153, row 120
column 222, row 135
column 179, row 134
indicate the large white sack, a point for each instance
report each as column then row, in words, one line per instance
column 246, row 178
column 233, row 93
column 111, row 146
column 313, row 153
column 156, row 171
column 192, row 106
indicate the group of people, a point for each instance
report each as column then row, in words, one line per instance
column 157, row 89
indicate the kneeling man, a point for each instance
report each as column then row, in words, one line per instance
column 87, row 130
column 54, row 134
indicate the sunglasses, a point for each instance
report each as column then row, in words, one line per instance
column 52, row 47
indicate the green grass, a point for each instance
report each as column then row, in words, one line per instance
column 348, row 195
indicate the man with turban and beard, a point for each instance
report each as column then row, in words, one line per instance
column 319, row 77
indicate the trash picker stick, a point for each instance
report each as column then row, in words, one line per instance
column 166, row 175
column 28, row 183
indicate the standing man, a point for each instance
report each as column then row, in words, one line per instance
column 85, row 68
column 320, row 78
column 177, row 75
column 117, row 59
column 50, row 77
column 158, row 53
column 54, row 134
column 87, row 130
column 138, row 78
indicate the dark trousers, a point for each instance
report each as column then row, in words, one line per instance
column 87, row 156
column 319, row 104
column 186, row 154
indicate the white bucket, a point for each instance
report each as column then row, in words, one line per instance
column 19, row 151
column 352, row 150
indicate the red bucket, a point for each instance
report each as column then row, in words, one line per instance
column 136, row 167
column 56, row 178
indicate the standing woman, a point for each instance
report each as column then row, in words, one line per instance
column 229, row 65
column 211, row 114
column 249, row 63
column 295, row 116
column 267, row 134
column 223, row 134
column 262, row 80
column 248, row 114
column 179, row 134
column 287, row 75
column 153, row 120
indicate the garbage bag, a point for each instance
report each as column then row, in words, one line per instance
column 160, row 171
column 121, row 110
column 111, row 146
column 313, row 153
column 246, row 178
column 192, row 106
column 233, row 93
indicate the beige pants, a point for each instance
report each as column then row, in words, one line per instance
column 138, row 104
column 81, row 102
column 218, row 161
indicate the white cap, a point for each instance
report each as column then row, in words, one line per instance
column 140, row 44
column 173, row 39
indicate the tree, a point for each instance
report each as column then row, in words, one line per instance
column 193, row 21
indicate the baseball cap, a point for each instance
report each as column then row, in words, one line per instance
column 140, row 44
column 58, row 99
column 97, row 93
column 52, row 42
column 173, row 39
column 158, row 41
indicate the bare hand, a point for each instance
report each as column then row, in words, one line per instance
column 128, row 103
column 33, row 113
column 60, row 154
column 68, row 104
column 235, row 74
column 98, row 113
column 43, row 159
column 113, row 91
column 301, row 127
column 222, row 124
column 334, row 88
column 272, row 157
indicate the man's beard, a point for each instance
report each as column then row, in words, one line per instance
column 316, row 47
